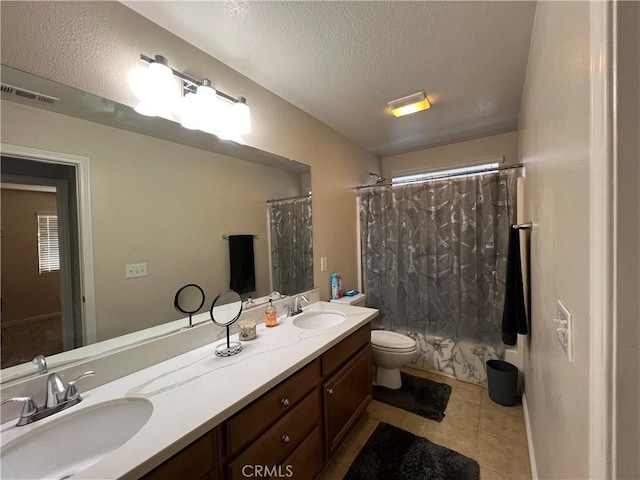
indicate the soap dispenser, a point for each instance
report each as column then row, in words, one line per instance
column 270, row 315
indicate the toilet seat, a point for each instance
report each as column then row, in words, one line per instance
column 386, row 341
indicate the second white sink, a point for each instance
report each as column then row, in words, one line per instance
column 64, row 447
column 323, row 319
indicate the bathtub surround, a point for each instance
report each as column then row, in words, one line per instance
column 434, row 263
column 395, row 454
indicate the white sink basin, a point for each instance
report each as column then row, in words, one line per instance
column 64, row 447
column 324, row 319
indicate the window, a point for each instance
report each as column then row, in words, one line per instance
column 48, row 244
column 420, row 177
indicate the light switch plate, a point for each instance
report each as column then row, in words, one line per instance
column 564, row 329
column 135, row 270
column 323, row 264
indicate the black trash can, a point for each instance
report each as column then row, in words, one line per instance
column 502, row 378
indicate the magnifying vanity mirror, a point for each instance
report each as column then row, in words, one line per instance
column 225, row 310
column 189, row 299
column 135, row 178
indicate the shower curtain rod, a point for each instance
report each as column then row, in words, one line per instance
column 445, row 175
column 300, row 197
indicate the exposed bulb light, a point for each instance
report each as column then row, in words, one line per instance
column 157, row 90
column 409, row 104
column 242, row 117
column 201, row 107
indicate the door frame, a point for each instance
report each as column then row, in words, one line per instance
column 85, row 240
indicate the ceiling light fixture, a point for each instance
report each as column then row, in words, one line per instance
column 409, row 104
column 177, row 96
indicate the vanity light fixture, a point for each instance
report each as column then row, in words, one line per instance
column 409, row 104
column 177, row 96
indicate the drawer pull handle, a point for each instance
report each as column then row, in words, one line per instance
column 330, row 391
column 284, row 402
column 285, row 439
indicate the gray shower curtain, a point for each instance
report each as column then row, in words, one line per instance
column 434, row 264
column 291, row 245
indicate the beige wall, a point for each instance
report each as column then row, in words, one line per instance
column 628, row 240
column 554, row 146
column 460, row 154
column 94, row 45
column 25, row 292
column 158, row 203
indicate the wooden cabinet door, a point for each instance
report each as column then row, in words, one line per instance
column 195, row 462
column 345, row 397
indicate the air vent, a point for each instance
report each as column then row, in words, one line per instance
column 21, row 92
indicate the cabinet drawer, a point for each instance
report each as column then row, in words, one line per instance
column 249, row 423
column 307, row 459
column 339, row 354
column 278, row 441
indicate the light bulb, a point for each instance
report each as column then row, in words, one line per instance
column 241, row 117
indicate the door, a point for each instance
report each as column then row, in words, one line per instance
column 41, row 309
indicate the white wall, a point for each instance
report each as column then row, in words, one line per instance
column 158, row 203
column 554, row 145
column 459, row 154
column 94, row 45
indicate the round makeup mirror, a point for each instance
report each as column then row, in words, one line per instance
column 189, row 299
column 225, row 310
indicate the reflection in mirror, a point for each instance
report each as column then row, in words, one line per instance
column 189, row 299
column 146, row 176
column 291, row 236
column 225, row 310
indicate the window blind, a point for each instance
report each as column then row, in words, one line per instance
column 48, row 243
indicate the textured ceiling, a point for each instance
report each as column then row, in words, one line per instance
column 343, row 61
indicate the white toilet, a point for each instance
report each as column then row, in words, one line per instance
column 391, row 350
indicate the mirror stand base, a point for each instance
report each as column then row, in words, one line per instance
column 222, row 350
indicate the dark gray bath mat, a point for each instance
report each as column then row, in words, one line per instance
column 395, row 454
column 417, row 395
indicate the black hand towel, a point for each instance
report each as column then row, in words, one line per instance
column 514, row 316
column 243, row 273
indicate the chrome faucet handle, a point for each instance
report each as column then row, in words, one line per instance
column 55, row 390
column 71, row 392
column 41, row 362
column 28, row 410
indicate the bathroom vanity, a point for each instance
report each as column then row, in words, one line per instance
column 293, row 429
column 280, row 408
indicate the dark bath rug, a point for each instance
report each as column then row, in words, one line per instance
column 417, row 395
column 395, row 454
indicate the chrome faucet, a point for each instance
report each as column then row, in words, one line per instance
column 296, row 308
column 59, row 396
column 275, row 295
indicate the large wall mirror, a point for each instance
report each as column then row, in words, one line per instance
column 163, row 203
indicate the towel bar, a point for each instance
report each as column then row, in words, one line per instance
column 523, row 226
column 226, row 237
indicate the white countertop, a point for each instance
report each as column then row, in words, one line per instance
column 195, row 391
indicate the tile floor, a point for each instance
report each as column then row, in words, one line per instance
column 474, row 425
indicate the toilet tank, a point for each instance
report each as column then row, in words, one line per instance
column 357, row 300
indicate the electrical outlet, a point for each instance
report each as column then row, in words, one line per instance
column 564, row 330
column 135, row 270
column 323, row 264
